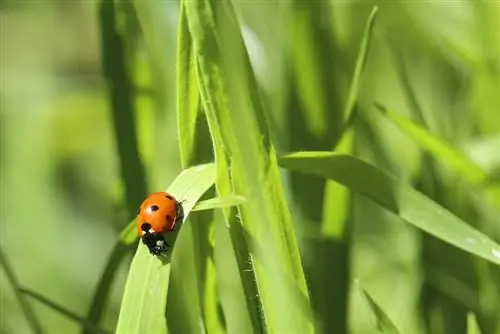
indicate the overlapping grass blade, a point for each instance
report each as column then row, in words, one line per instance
column 219, row 202
column 333, row 267
column 145, row 296
column 237, row 123
column 89, row 326
column 397, row 197
column 382, row 321
column 192, row 283
column 245, row 305
column 33, row 321
column 437, row 147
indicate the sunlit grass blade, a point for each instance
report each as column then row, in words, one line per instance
column 235, row 114
column 192, row 284
column 33, row 321
column 397, row 197
column 472, row 326
column 219, row 202
column 382, row 321
column 89, row 326
column 146, row 289
column 441, row 150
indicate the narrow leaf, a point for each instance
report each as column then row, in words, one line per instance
column 397, row 197
column 219, row 202
column 472, row 326
column 237, row 121
column 360, row 65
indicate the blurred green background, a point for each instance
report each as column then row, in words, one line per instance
column 62, row 195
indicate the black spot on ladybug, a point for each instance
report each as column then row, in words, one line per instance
column 169, row 218
column 146, row 226
column 154, row 208
column 169, row 197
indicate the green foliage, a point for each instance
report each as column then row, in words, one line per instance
column 299, row 135
column 395, row 196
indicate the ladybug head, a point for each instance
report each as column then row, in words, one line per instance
column 154, row 241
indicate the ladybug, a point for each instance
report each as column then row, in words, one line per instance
column 158, row 214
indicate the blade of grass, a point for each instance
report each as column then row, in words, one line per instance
column 472, row 327
column 382, row 321
column 191, row 284
column 244, row 304
column 230, row 86
column 33, row 321
column 437, row 147
column 397, row 197
column 333, row 266
column 146, row 289
column 219, row 202
column 360, row 65
column 91, row 327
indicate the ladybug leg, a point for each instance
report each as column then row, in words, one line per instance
column 179, row 214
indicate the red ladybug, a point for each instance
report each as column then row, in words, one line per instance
column 157, row 215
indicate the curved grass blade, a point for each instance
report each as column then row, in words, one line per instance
column 89, row 326
column 437, row 147
column 219, row 202
column 146, row 289
column 248, row 308
column 382, row 321
column 33, row 321
column 397, row 197
column 237, row 120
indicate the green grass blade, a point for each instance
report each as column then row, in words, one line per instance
column 33, row 321
column 236, row 116
column 192, row 284
column 89, row 326
column 188, row 96
column 382, row 321
column 360, row 65
column 219, row 202
column 437, row 147
column 146, row 289
column 397, row 197
column 472, row 326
